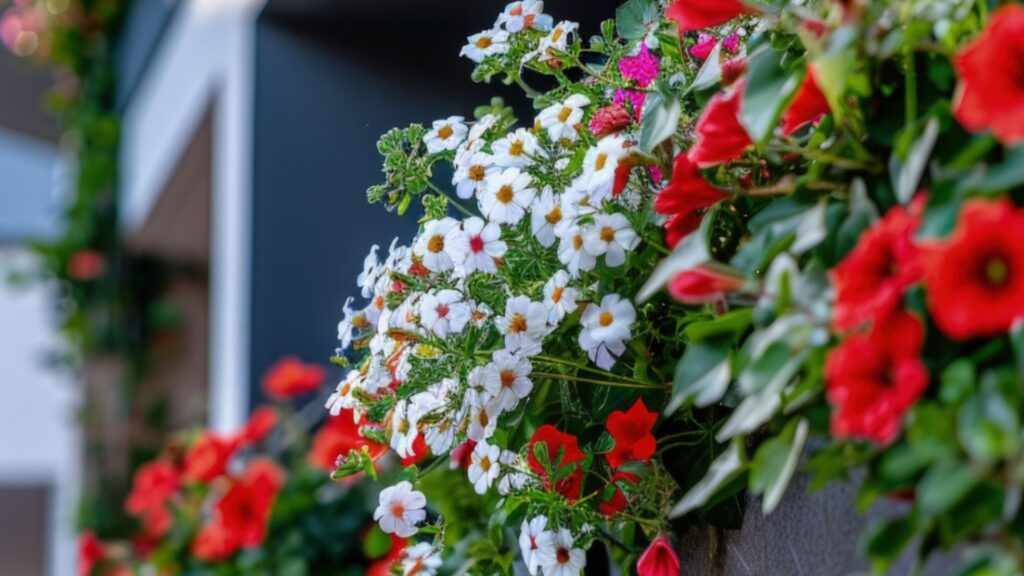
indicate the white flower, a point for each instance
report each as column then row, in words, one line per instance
column 421, row 560
column 437, row 245
column 443, row 312
column 559, row 297
column 533, row 537
column 576, row 203
column 352, row 321
column 556, row 41
column 483, row 466
column 342, row 398
column 516, row 149
column 612, row 236
column 471, row 174
column 483, row 421
column 524, row 14
column 523, row 325
column 480, row 314
column 478, row 393
column 507, row 196
column 562, row 119
column 445, row 134
column 481, row 245
column 571, row 252
column 560, row 558
column 606, row 329
column 400, row 509
column 545, row 216
column 367, row 278
column 513, row 480
column 404, row 423
column 484, row 44
column 599, row 166
column 474, row 140
column 508, row 379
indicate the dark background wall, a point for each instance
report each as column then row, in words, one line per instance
column 331, row 78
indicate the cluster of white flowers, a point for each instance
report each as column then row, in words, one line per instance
column 425, row 305
column 516, row 18
column 549, row 552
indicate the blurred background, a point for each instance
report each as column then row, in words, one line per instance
column 182, row 204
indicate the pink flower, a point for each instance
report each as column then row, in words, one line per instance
column 635, row 98
column 732, row 43
column 704, row 46
column 642, row 68
column 659, row 559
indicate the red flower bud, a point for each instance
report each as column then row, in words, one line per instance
column 703, row 284
column 609, row 120
column 659, row 559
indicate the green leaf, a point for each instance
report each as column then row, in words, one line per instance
column 725, row 468
column 944, row 485
column 376, row 543
column 1017, row 342
column 775, row 462
column 834, row 68
column 733, row 324
column 997, row 179
column 886, row 540
column 710, row 72
column 769, row 88
column 633, row 17
column 987, row 425
column 906, row 174
column 661, row 115
column 691, row 252
column 702, row 375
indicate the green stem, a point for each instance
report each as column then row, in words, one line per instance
column 910, row 80
column 594, row 381
column 452, row 201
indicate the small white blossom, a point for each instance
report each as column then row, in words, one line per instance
column 445, row 134
column 559, row 297
column 545, row 216
column 532, row 537
column 612, row 236
column 563, row 120
column 400, row 509
column 481, row 246
column 515, row 150
column 438, row 244
column 484, row 44
column 524, row 14
column 556, row 41
column 571, row 252
column 508, row 379
column 421, row 560
column 472, row 173
column 404, row 429
column 600, row 163
column 371, row 267
column 606, row 329
column 443, row 312
column 523, row 325
column 483, row 466
column 351, row 322
column 342, row 398
column 512, row 480
column 507, row 197
column 560, row 558
column 483, row 421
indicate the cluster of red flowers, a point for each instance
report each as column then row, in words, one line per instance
column 973, row 280
column 290, row 377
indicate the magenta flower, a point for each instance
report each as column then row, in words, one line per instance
column 642, row 68
column 705, row 44
column 732, row 43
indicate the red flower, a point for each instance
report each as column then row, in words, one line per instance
column 618, row 501
column 207, row 457
column 703, row 284
column 991, row 69
column 153, row 485
column 564, row 449
column 214, row 542
column 873, row 378
column 245, row 508
column 90, row 552
column 289, row 377
column 609, row 120
column 86, row 265
column 382, row 565
column 632, row 433
column 700, row 14
column 339, row 435
column 685, row 199
column 808, row 106
column 870, row 280
column 721, row 137
column 659, row 559
column 975, row 279
column 461, row 455
column 260, row 424
column 418, row 453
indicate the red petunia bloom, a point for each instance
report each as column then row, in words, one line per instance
column 807, row 107
column 91, row 551
column 874, row 377
column 700, row 14
column 703, row 284
column 153, row 485
column 991, row 69
column 339, row 435
column 86, row 265
column 559, row 446
column 290, row 377
column 207, row 458
column 461, row 457
column 975, row 279
column 244, row 509
column 685, row 199
column 213, row 542
column 632, row 433
column 609, row 120
column 659, row 559
column 618, row 501
column 871, row 279
column 720, row 136
column 260, row 424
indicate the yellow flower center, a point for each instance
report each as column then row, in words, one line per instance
column 605, row 319
column 564, row 114
column 445, row 132
column 555, row 216
column 517, row 324
column 436, row 244
column 476, row 173
column 516, row 148
column 607, row 234
column 485, row 463
column 505, row 194
column 483, row 42
column 601, row 159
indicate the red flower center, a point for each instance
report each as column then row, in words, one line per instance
column 476, row 244
column 562, row 555
column 442, row 310
column 397, row 510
